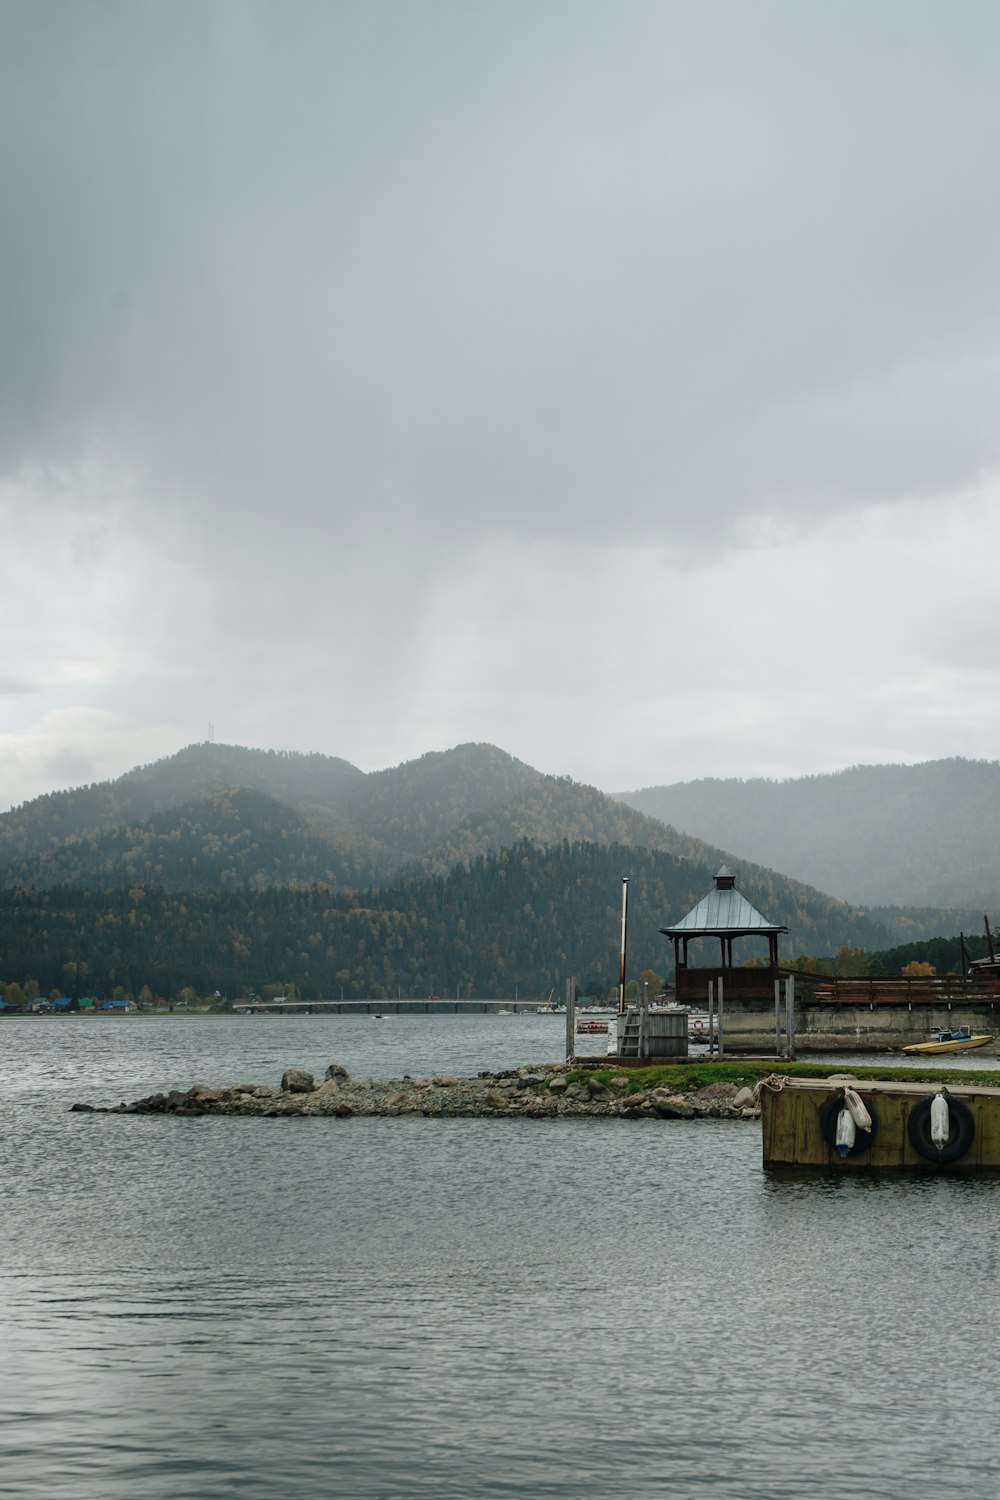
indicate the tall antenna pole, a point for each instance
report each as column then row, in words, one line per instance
column 621, row 967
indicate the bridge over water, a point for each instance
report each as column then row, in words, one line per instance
column 433, row 1005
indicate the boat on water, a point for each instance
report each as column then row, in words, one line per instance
column 594, row 1018
column 962, row 1039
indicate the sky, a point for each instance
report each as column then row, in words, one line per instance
column 616, row 383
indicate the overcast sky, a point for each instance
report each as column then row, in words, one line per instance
column 613, row 382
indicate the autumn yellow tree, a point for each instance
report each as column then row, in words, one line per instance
column 650, row 985
column 14, row 997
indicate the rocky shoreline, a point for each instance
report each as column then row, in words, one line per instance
column 545, row 1092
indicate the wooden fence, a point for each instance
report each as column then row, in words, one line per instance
column 827, row 989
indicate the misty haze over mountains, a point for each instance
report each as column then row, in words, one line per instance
column 362, row 829
column 876, row 836
column 924, row 835
column 463, row 871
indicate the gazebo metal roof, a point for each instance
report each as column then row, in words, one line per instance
column 724, row 912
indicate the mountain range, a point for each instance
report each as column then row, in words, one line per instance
column 464, row 869
column 923, row 835
column 221, row 815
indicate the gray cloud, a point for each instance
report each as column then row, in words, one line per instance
column 504, row 264
column 361, row 296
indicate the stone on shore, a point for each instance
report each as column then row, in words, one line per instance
column 297, row 1081
column 544, row 1092
column 670, row 1106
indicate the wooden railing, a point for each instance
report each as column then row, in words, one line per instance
column 827, row 989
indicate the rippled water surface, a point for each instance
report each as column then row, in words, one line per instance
column 211, row 1308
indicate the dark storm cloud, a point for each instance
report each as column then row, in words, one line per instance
column 447, row 268
column 373, row 376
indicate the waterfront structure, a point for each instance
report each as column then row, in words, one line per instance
column 726, row 914
column 917, row 1126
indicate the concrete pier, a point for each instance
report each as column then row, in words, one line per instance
column 877, row 1026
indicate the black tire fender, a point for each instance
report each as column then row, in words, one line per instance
column 961, row 1134
column 828, row 1117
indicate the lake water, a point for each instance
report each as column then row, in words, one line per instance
column 438, row 1309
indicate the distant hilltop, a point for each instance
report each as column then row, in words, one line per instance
column 225, row 868
column 926, row 835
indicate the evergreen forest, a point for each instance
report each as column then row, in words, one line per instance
column 523, row 919
column 464, row 873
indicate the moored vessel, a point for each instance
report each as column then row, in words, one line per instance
column 961, row 1039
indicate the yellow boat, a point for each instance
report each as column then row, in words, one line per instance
column 960, row 1040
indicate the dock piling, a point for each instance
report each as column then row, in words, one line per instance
column 720, row 1030
column 570, row 1019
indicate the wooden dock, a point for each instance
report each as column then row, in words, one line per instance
column 799, row 1123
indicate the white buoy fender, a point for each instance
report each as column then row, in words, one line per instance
column 846, row 1133
column 940, row 1128
column 940, row 1121
column 858, row 1109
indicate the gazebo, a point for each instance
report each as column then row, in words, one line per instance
column 726, row 914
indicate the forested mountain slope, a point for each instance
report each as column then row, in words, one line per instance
column 552, row 809
column 414, row 806
column 224, row 868
column 226, row 840
column 210, row 817
column 304, row 782
column 378, row 822
column 524, row 917
column 925, row 835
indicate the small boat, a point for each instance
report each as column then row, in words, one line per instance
column 941, row 1040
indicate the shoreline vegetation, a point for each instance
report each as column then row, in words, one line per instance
column 685, row 1091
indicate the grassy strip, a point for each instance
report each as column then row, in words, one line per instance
column 685, row 1078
